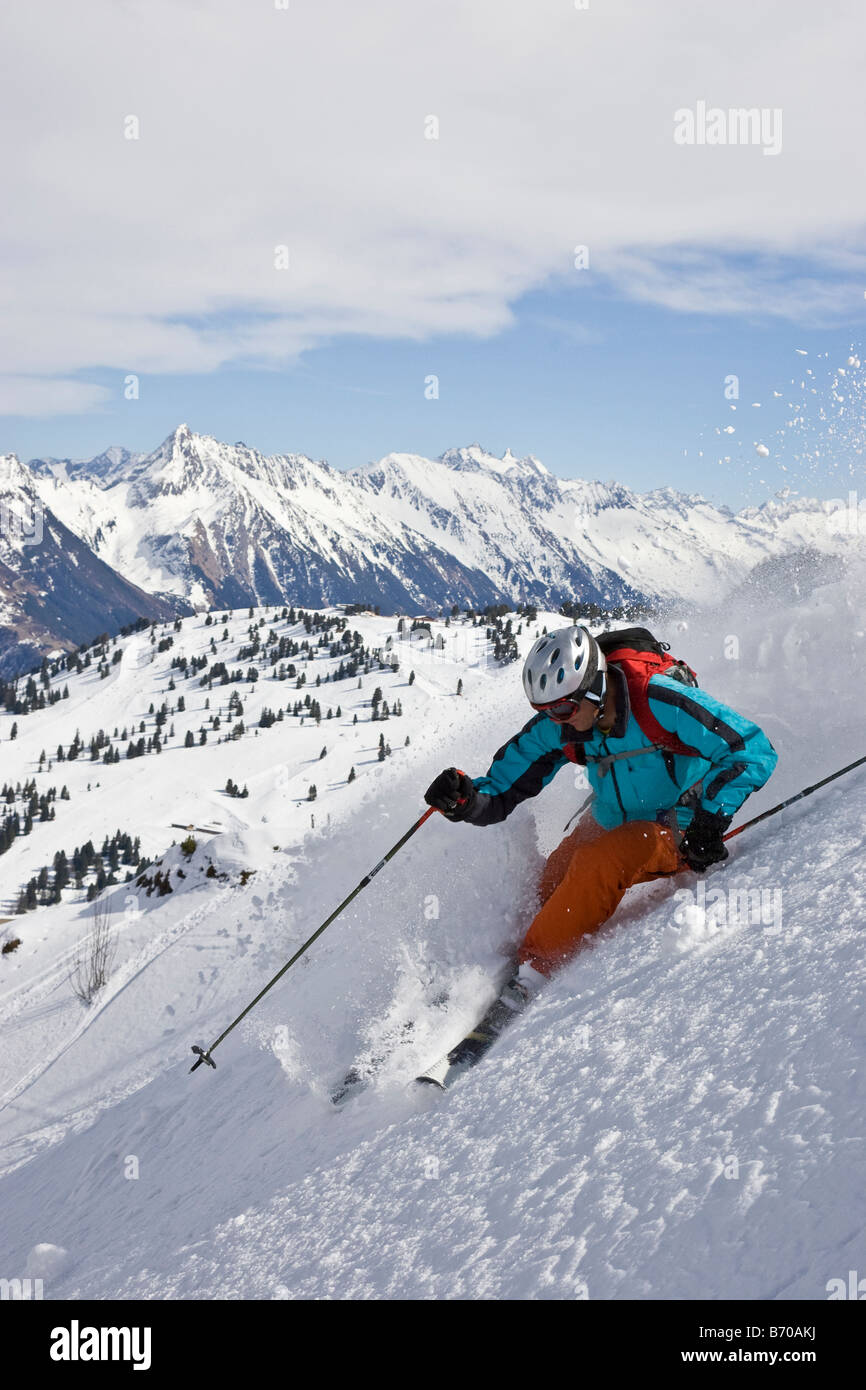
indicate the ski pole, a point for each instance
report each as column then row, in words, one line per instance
column 204, row 1054
column 798, row 796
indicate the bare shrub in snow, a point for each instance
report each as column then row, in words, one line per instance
column 95, row 954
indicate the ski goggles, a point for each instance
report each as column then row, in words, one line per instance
column 559, row 710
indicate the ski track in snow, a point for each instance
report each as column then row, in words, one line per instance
column 678, row 1116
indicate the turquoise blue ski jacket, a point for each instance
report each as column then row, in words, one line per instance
column 632, row 778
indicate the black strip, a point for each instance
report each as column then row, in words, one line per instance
column 495, row 806
column 710, row 721
column 576, row 755
column 606, row 750
column 530, row 782
column 670, row 765
column 722, row 780
column 623, row 703
column 530, row 724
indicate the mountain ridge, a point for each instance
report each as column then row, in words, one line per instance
column 202, row 523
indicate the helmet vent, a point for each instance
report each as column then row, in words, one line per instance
column 566, row 661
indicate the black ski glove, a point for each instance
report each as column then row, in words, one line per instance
column 452, row 793
column 702, row 843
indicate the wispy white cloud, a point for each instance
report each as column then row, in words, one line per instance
column 709, row 282
column 306, row 127
column 34, row 395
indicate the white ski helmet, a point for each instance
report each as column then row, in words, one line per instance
column 566, row 664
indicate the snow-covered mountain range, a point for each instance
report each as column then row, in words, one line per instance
column 213, row 523
column 219, row 523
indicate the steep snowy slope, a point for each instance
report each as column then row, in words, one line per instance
column 679, row 1116
column 187, row 784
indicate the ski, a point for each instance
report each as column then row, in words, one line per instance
column 511, row 1002
column 363, row 1072
column 353, row 1082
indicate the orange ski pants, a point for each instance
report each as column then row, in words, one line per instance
column 584, row 880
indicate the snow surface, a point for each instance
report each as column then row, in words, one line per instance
column 679, row 1115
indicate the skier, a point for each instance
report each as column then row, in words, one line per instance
column 668, row 766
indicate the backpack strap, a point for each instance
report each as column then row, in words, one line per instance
column 638, row 667
column 604, row 763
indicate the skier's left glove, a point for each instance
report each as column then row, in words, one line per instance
column 453, row 794
column 702, row 844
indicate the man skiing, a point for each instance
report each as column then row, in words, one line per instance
column 668, row 766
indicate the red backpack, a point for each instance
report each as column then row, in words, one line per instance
column 639, row 655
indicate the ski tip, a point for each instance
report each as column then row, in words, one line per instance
column 345, row 1094
column 446, row 1071
column 429, row 1081
column 352, row 1084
